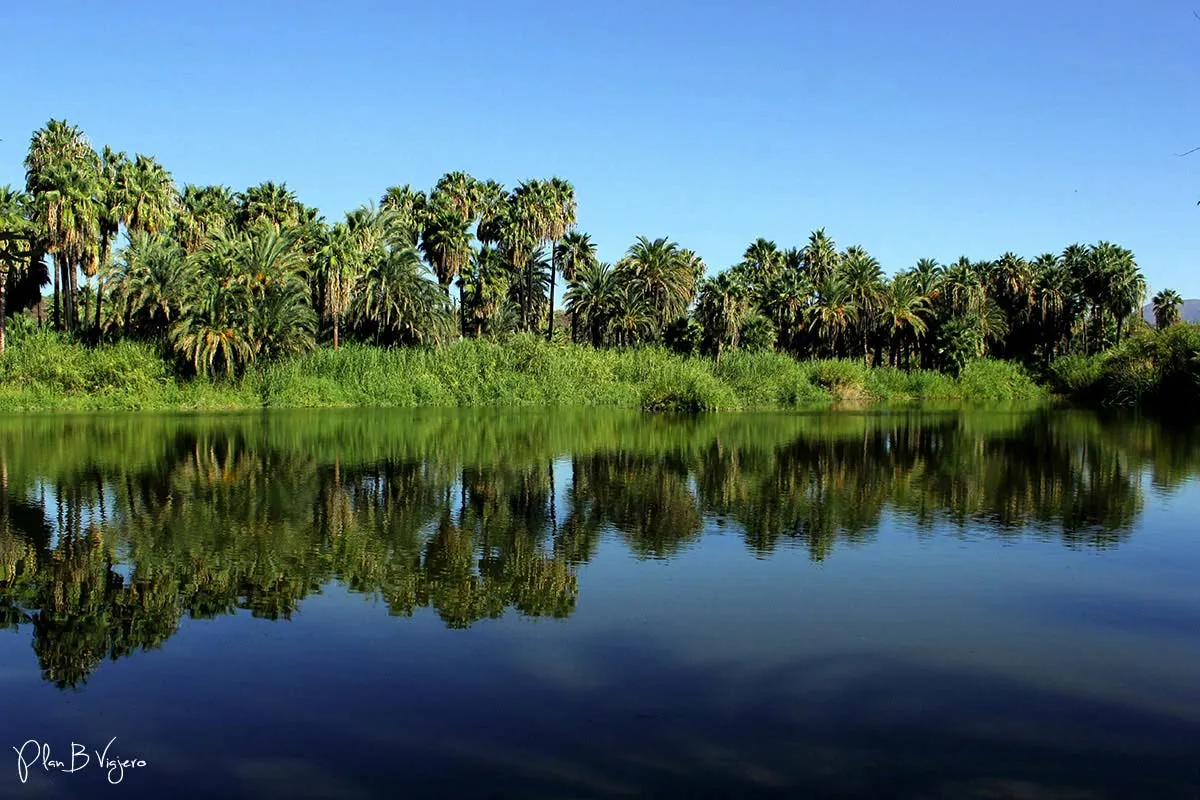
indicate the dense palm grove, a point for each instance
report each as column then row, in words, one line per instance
column 225, row 278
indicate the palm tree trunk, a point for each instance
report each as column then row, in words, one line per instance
column 99, row 302
column 3, row 286
column 553, row 268
column 335, row 333
column 866, row 353
column 72, row 311
column 56, row 311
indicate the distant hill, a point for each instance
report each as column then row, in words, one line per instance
column 1190, row 311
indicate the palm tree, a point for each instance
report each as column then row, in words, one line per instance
column 60, row 175
column 400, row 303
column 69, row 215
column 271, row 201
column 832, row 312
column 341, row 267
column 559, row 220
column 903, row 311
column 15, row 232
column 720, row 310
column 484, row 287
column 631, row 319
column 662, row 274
column 521, row 230
column 864, row 282
column 1056, row 304
column 928, row 275
column 575, row 251
column 1166, row 306
column 493, row 206
column 152, row 282
column 592, row 298
column 203, row 212
column 1117, row 283
column 446, row 239
column 761, row 264
column 150, row 199
column 409, row 205
column 111, row 197
column 964, row 290
column 820, row 256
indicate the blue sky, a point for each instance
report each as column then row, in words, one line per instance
column 921, row 128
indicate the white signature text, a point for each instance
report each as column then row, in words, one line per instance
column 37, row 754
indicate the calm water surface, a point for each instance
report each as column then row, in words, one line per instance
column 964, row 604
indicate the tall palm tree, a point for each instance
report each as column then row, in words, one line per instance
column 1166, row 306
column 15, row 233
column 271, row 201
column 832, row 312
column 721, row 307
column 69, row 215
column 820, row 256
column 203, row 212
column 574, row 252
column 1056, row 305
column 864, row 282
column 150, row 198
column 400, row 303
column 152, row 280
column 111, row 198
column 61, row 171
column 660, row 272
column 409, row 206
column 493, row 205
column 521, row 231
column 1116, row 281
column 446, row 239
column 904, row 309
column 484, row 287
column 341, row 267
column 761, row 264
column 559, row 220
column 928, row 275
column 593, row 296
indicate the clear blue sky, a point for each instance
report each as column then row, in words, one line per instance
column 924, row 128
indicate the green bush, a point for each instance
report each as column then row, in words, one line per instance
column 1077, row 375
column 991, row 379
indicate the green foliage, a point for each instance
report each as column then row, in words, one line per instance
column 1078, row 376
column 683, row 336
column 43, row 369
column 1158, row 368
column 992, row 379
column 756, row 333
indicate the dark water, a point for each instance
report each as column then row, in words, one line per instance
column 579, row 604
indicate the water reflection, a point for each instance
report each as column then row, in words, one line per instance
column 116, row 528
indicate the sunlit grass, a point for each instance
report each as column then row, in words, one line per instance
column 44, row 371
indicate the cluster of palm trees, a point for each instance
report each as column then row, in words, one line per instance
column 225, row 278
column 818, row 300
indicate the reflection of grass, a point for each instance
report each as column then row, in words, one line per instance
column 43, row 371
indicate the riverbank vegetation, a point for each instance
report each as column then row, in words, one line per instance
column 199, row 296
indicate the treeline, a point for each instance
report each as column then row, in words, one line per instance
column 114, row 529
column 224, row 279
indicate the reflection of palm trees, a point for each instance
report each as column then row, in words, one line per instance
column 204, row 518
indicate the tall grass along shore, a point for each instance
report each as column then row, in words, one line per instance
column 44, row 371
